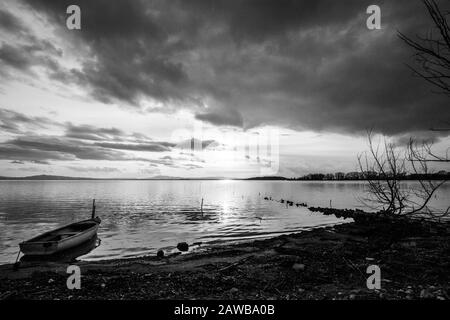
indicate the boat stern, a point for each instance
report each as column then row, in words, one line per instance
column 38, row 248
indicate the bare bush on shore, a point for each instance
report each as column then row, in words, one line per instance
column 385, row 165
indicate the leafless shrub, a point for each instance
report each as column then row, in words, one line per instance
column 385, row 166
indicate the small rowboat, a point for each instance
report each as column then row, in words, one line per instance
column 63, row 238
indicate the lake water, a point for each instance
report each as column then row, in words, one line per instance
column 140, row 217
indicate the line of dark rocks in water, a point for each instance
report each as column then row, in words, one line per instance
column 363, row 217
column 288, row 202
column 356, row 214
column 381, row 217
column 341, row 213
column 370, row 218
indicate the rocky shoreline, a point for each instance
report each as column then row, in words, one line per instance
column 325, row 263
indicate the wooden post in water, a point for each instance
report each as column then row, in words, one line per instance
column 201, row 207
column 93, row 209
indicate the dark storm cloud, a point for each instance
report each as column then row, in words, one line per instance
column 229, row 117
column 132, row 47
column 302, row 64
column 25, row 56
column 17, row 153
column 15, row 122
column 258, row 20
column 151, row 147
column 42, row 148
column 67, row 149
column 113, row 138
column 427, row 137
column 29, row 51
column 10, row 22
column 30, row 161
column 17, row 162
column 79, row 142
column 88, row 132
column 15, row 57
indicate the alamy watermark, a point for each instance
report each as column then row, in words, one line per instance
column 73, row 21
column 374, row 280
column 373, row 22
column 259, row 149
column 74, row 280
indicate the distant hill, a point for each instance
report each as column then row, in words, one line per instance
column 45, row 177
column 441, row 175
column 163, row 178
column 182, row 178
column 268, row 178
column 50, row 177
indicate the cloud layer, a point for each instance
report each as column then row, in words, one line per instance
column 81, row 143
column 301, row 64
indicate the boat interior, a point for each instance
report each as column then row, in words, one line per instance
column 65, row 232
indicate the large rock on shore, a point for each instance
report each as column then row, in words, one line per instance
column 183, row 246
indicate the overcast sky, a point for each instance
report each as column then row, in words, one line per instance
column 259, row 87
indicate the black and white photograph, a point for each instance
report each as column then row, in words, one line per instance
column 238, row 151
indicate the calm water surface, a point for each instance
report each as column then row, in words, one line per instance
column 140, row 217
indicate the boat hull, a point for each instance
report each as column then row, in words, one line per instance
column 39, row 246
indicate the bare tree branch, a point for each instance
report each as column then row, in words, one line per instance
column 432, row 52
column 385, row 165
